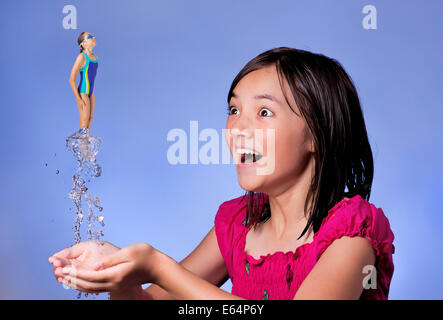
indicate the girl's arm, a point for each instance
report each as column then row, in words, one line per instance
column 185, row 285
column 206, row 262
column 79, row 62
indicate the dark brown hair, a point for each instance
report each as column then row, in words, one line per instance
column 328, row 101
column 80, row 38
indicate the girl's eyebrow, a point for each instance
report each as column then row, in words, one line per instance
column 262, row 96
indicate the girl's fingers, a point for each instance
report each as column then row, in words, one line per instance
column 59, row 262
column 57, row 273
column 85, row 286
column 71, row 252
column 101, row 276
column 58, row 265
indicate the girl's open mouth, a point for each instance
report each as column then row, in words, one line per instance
column 248, row 156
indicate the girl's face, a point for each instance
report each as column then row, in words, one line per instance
column 89, row 43
column 257, row 110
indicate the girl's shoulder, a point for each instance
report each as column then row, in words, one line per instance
column 230, row 211
column 356, row 212
column 81, row 59
column 357, row 217
column 81, row 55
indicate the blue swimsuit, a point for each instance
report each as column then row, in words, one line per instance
column 87, row 76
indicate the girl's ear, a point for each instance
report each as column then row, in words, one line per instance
column 311, row 146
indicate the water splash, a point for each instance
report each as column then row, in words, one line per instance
column 85, row 147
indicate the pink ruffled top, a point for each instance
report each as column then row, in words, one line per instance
column 278, row 275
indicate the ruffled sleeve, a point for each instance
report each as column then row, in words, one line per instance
column 227, row 224
column 358, row 217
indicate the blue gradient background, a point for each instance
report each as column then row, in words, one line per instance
column 165, row 63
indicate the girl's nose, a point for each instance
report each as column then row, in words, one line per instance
column 238, row 133
column 242, row 126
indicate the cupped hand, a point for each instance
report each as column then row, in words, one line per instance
column 83, row 255
column 121, row 271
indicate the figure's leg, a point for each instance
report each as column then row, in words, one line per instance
column 84, row 110
column 91, row 113
column 84, row 118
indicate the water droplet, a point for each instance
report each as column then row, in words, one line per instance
column 57, row 171
column 46, row 164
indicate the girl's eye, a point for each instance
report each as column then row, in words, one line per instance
column 267, row 112
column 230, row 108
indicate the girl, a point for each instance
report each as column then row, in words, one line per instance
column 305, row 230
column 87, row 64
